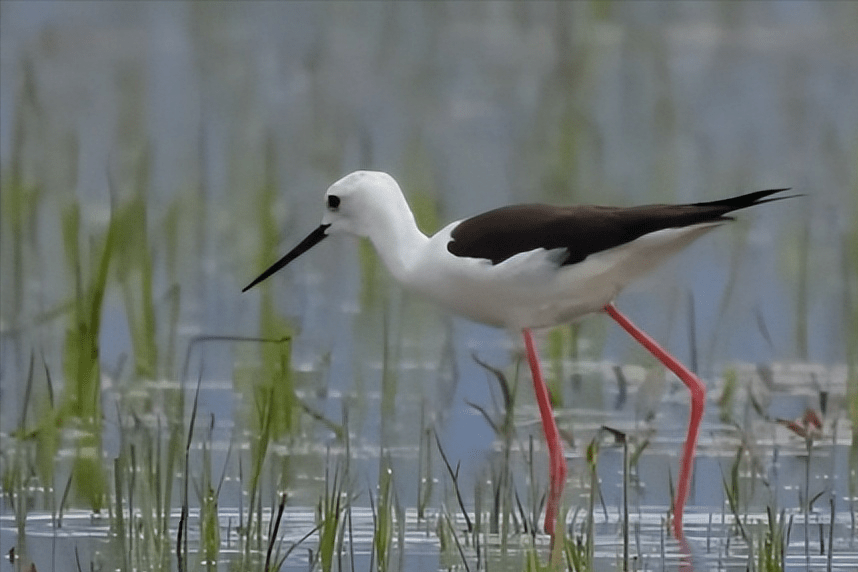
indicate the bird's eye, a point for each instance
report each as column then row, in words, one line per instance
column 333, row 203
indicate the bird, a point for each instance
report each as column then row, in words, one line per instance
column 530, row 266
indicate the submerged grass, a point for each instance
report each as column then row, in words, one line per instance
column 21, row 201
column 771, row 541
column 556, row 354
column 580, row 548
column 388, row 517
column 207, row 495
column 329, row 517
column 15, row 480
column 425, row 477
column 81, row 394
column 139, row 514
column 135, row 270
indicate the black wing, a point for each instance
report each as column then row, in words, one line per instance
column 582, row 230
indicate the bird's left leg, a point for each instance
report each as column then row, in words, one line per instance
column 698, row 400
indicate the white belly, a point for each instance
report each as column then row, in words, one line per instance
column 531, row 290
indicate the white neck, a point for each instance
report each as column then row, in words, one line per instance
column 398, row 241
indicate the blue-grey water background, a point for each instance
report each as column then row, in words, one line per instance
column 473, row 105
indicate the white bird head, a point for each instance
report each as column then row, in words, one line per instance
column 362, row 204
column 359, row 202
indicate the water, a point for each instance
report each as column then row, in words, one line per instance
column 471, row 107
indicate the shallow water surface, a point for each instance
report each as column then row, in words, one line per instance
column 155, row 157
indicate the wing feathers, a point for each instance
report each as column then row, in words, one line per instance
column 582, row 230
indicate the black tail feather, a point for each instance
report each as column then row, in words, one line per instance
column 747, row 200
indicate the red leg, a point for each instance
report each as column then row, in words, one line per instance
column 698, row 398
column 556, row 462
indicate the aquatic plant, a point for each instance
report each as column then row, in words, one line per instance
column 329, row 513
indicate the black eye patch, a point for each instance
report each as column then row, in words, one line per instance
column 333, row 202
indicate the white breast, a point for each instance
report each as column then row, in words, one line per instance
column 531, row 289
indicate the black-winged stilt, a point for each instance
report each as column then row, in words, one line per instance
column 529, row 266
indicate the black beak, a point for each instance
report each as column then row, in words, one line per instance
column 312, row 240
